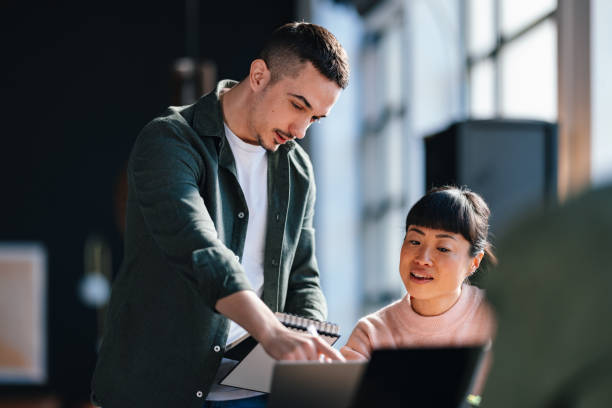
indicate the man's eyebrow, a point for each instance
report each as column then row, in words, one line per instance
column 302, row 99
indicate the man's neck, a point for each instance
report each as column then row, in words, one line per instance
column 235, row 103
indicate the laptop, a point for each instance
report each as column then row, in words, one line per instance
column 419, row 377
column 308, row 384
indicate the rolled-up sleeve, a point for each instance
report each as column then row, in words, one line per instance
column 164, row 171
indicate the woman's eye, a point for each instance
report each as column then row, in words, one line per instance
column 442, row 249
column 414, row 242
column 296, row 106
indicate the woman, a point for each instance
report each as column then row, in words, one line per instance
column 446, row 240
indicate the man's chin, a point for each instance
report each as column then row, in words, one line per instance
column 271, row 147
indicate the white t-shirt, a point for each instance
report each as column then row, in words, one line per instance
column 252, row 169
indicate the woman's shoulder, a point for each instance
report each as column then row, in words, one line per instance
column 386, row 314
column 480, row 312
column 473, row 297
column 378, row 329
column 478, row 296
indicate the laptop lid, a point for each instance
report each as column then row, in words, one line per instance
column 313, row 384
column 419, row 377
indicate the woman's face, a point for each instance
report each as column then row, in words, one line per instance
column 434, row 263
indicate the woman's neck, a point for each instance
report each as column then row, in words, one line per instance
column 435, row 306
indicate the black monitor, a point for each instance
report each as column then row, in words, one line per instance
column 512, row 164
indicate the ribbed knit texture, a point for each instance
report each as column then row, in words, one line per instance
column 469, row 322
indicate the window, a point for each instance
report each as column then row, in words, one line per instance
column 382, row 147
column 512, row 57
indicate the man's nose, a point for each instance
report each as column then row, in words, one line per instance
column 298, row 130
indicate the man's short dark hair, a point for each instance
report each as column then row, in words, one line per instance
column 295, row 43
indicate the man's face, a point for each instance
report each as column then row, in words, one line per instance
column 284, row 110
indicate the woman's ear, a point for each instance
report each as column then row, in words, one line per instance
column 259, row 75
column 475, row 262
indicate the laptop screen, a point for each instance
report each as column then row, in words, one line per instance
column 420, row 377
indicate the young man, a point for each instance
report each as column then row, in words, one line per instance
column 219, row 225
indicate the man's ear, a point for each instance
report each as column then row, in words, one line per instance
column 259, row 75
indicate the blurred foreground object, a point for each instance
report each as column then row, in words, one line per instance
column 552, row 296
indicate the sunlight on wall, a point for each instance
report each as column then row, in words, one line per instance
column 601, row 92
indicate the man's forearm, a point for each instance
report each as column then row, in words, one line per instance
column 248, row 310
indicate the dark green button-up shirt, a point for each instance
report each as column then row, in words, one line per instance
column 186, row 227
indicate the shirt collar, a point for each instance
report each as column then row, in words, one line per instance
column 208, row 116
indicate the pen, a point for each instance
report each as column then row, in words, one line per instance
column 313, row 332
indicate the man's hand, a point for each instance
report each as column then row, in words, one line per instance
column 285, row 344
column 246, row 309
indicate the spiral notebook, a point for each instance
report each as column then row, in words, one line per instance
column 255, row 367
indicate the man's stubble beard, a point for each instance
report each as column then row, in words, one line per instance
column 253, row 115
column 262, row 144
column 258, row 137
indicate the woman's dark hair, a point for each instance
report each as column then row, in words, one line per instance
column 292, row 44
column 458, row 210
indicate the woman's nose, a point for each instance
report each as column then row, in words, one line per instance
column 423, row 256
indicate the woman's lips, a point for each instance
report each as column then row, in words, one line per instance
column 419, row 277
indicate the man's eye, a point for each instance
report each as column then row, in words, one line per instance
column 296, row 106
column 414, row 242
column 442, row 249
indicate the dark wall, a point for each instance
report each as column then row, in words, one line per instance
column 78, row 81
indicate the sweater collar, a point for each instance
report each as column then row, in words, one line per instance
column 468, row 301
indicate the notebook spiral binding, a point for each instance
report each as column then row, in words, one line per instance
column 302, row 323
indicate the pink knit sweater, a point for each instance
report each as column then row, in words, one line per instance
column 469, row 322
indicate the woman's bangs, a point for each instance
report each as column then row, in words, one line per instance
column 442, row 212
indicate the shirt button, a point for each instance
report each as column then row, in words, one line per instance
column 274, row 262
column 217, row 349
column 241, row 215
column 277, row 217
column 199, row 394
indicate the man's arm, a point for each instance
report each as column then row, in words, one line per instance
column 164, row 171
column 254, row 316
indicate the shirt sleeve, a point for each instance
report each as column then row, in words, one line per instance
column 304, row 294
column 164, row 171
